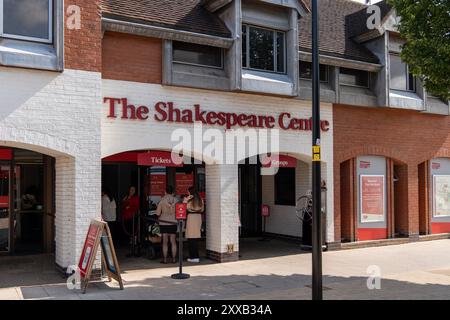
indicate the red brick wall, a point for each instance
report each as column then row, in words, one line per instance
column 82, row 48
column 407, row 137
column 424, row 218
column 131, row 58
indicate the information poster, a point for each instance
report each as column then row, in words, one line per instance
column 372, row 198
column 441, row 190
column 88, row 250
column 183, row 182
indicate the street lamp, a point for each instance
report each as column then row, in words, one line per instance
column 317, row 293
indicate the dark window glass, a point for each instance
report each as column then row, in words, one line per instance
column 401, row 78
column 353, row 77
column 306, row 71
column 280, row 52
column 263, row 49
column 285, row 187
column 197, row 54
column 27, row 18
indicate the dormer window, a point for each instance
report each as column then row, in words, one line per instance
column 30, row 20
column 263, row 49
column 401, row 78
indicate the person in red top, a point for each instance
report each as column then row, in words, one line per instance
column 130, row 204
column 130, row 209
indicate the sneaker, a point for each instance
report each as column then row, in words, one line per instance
column 194, row 260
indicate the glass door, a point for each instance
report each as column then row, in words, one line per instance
column 5, row 187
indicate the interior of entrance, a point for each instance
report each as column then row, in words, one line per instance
column 26, row 202
column 120, row 172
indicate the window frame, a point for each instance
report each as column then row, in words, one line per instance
column 222, row 58
column 355, row 85
column 407, row 75
column 275, row 55
column 49, row 40
column 327, row 72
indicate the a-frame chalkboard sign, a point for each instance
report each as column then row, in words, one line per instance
column 98, row 235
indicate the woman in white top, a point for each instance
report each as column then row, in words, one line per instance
column 109, row 214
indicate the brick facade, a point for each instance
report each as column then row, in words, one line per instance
column 407, row 137
column 83, row 47
column 131, row 58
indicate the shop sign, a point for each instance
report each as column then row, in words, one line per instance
column 159, row 159
column 278, row 161
column 435, row 165
column 372, row 198
column 167, row 112
column 441, row 198
column 180, row 211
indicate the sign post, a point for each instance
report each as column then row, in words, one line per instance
column 317, row 293
column 181, row 215
column 265, row 212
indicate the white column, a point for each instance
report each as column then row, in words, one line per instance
column 222, row 212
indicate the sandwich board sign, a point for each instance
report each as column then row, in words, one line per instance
column 98, row 235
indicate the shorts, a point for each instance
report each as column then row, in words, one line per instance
column 169, row 229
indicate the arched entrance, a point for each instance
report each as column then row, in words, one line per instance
column 27, row 209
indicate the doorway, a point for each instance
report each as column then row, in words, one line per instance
column 250, row 199
column 26, row 202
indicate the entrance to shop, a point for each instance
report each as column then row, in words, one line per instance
column 250, row 199
column 26, row 202
column 121, row 171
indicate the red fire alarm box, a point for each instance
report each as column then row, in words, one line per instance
column 265, row 211
column 180, row 211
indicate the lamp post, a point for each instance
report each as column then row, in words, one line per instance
column 317, row 293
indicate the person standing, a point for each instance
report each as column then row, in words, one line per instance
column 194, row 209
column 168, row 223
column 130, row 208
column 109, row 214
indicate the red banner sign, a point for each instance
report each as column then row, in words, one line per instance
column 160, row 159
column 279, row 161
column 6, row 154
column 265, row 211
column 180, row 211
column 364, row 164
column 88, row 250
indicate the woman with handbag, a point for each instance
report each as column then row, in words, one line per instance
column 194, row 208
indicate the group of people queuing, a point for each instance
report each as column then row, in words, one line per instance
column 165, row 212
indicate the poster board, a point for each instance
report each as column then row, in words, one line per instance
column 98, row 235
column 372, row 198
column 441, row 196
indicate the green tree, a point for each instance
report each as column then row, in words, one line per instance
column 425, row 25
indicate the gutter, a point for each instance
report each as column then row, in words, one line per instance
column 140, row 29
column 341, row 62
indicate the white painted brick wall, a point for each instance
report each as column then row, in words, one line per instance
column 58, row 114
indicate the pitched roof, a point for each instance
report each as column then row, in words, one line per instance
column 357, row 22
column 187, row 15
column 334, row 31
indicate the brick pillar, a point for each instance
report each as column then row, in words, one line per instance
column 413, row 201
column 77, row 201
column 424, row 212
column 65, row 211
column 222, row 212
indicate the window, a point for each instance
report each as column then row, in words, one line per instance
column 306, row 71
column 195, row 54
column 285, row 187
column 401, row 78
column 353, row 77
column 263, row 49
column 27, row 20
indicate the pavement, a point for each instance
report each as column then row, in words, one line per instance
column 274, row 270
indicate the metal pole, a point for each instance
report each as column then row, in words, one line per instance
column 316, row 162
